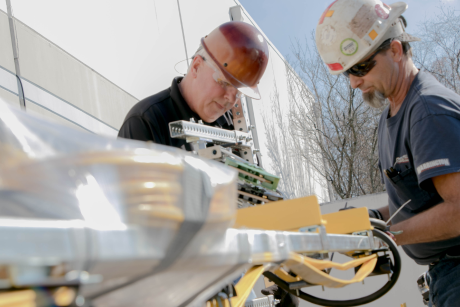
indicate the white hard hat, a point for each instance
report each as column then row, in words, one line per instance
column 350, row 30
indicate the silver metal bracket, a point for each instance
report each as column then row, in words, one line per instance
column 183, row 129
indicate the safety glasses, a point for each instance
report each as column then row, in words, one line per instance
column 361, row 69
column 219, row 77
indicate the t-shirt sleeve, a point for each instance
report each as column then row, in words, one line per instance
column 435, row 144
column 136, row 128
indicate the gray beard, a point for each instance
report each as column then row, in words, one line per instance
column 375, row 99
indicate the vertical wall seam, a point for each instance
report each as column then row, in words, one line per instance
column 183, row 34
column 22, row 101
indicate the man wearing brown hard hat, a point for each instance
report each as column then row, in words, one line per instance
column 230, row 62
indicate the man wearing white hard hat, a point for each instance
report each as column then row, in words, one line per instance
column 418, row 134
column 229, row 63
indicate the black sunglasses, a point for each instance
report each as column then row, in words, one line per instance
column 361, row 69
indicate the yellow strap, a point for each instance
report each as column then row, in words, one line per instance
column 285, row 276
column 310, row 270
column 243, row 288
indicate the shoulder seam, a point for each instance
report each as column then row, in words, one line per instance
column 431, row 115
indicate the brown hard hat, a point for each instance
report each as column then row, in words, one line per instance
column 240, row 52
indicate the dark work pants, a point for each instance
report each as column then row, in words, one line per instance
column 445, row 282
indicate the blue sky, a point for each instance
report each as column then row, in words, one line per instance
column 283, row 21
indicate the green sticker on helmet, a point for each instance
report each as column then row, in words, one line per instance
column 349, row 46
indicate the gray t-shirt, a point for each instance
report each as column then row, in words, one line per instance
column 420, row 142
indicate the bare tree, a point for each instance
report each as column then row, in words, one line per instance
column 339, row 128
column 286, row 154
column 439, row 50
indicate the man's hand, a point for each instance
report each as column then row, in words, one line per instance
column 438, row 223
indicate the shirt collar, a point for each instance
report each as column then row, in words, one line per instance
column 179, row 102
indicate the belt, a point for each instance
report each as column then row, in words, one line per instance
column 453, row 251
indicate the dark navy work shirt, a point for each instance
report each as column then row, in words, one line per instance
column 420, row 142
column 149, row 119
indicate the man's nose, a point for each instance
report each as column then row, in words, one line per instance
column 355, row 82
column 232, row 95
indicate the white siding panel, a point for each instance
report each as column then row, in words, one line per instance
column 52, row 103
column 6, row 49
column 53, row 69
column 8, row 81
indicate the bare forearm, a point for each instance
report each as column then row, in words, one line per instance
column 436, row 224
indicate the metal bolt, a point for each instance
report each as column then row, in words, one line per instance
column 192, row 120
column 248, row 139
column 238, row 113
column 236, row 105
column 200, row 122
column 256, row 150
column 241, row 129
column 239, row 121
column 214, row 152
column 245, row 152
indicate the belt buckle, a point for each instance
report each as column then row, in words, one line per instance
column 434, row 263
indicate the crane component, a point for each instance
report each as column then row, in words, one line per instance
column 127, row 223
column 254, row 174
column 233, row 148
column 185, row 130
column 287, row 215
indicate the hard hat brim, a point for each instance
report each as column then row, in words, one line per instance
column 252, row 92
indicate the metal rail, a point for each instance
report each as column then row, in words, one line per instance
column 186, row 130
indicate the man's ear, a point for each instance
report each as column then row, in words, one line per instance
column 196, row 62
column 396, row 50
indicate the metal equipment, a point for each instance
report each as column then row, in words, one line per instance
column 423, row 283
column 235, row 149
column 90, row 221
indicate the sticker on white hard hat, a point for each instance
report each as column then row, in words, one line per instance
column 363, row 20
column 328, row 35
column 382, row 12
column 327, row 13
column 349, row 46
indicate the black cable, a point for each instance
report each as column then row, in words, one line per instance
column 22, row 90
